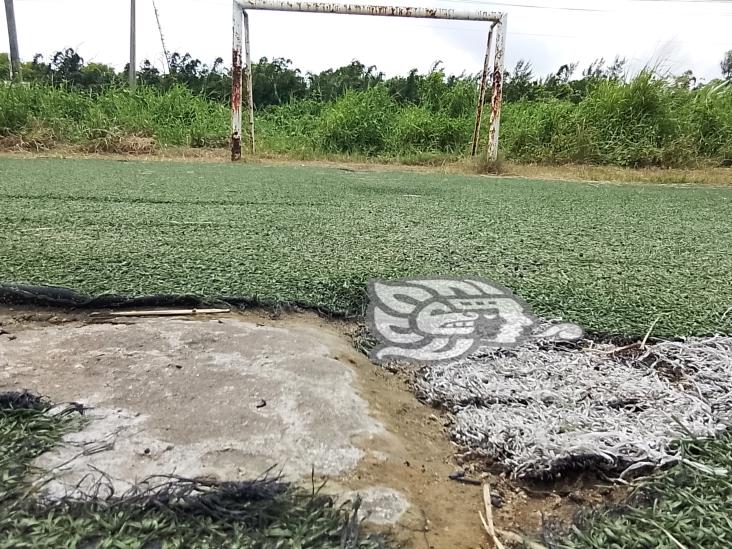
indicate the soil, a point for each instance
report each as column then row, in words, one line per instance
column 585, row 173
column 414, row 457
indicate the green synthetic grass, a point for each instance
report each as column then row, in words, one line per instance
column 685, row 507
column 262, row 514
column 612, row 258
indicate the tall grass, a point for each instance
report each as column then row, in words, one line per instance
column 644, row 122
column 46, row 115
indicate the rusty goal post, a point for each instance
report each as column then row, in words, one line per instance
column 241, row 66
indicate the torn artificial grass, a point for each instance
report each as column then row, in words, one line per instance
column 685, row 506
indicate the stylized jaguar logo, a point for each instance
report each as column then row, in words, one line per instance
column 436, row 319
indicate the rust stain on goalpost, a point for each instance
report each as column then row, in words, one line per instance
column 236, row 104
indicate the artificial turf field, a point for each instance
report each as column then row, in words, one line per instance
column 611, row 258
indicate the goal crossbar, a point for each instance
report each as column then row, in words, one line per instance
column 242, row 64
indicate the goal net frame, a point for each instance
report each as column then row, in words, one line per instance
column 241, row 65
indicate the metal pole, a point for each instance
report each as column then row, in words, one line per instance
column 497, row 96
column 131, row 71
column 13, row 39
column 238, row 16
column 249, row 90
column 481, row 93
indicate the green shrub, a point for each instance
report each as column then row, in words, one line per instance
column 174, row 117
column 417, row 130
column 647, row 121
column 357, row 122
column 631, row 124
column 536, row 131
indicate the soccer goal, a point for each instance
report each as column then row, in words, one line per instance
column 241, row 64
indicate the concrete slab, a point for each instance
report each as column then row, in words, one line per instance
column 220, row 398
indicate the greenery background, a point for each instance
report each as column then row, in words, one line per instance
column 601, row 115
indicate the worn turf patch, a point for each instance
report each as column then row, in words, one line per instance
column 161, row 511
column 611, row 258
column 539, row 411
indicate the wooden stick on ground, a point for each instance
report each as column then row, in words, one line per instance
column 648, row 333
column 167, row 312
column 488, row 519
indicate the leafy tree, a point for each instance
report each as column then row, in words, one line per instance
column 276, row 82
column 686, row 80
column 405, row 89
column 520, row 84
column 66, row 67
column 557, row 84
column 97, row 76
column 331, row 84
column 726, row 66
column 148, row 74
column 36, row 70
column 4, row 66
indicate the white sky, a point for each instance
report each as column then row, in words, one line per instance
column 675, row 34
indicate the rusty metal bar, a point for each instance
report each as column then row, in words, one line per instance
column 248, row 83
column 481, row 92
column 236, row 52
column 365, row 9
column 497, row 95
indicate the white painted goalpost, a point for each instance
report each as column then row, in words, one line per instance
column 243, row 67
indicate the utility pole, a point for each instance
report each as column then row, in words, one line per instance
column 162, row 40
column 13, row 39
column 132, row 66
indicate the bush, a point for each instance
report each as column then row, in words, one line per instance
column 357, row 122
column 648, row 121
column 538, row 131
column 174, row 117
column 417, row 130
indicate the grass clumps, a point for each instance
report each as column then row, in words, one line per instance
column 686, row 506
column 645, row 121
column 37, row 117
column 641, row 123
column 161, row 511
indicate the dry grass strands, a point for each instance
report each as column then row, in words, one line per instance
column 540, row 410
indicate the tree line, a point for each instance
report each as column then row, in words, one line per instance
column 277, row 81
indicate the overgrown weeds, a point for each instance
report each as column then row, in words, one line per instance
column 161, row 511
column 644, row 122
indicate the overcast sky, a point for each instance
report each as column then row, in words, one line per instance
column 675, row 34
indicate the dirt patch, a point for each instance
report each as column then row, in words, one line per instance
column 43, row 146
column 220, row 397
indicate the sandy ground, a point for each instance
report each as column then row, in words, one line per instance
column 229, row 396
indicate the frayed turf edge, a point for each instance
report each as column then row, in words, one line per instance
column 198, row 512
